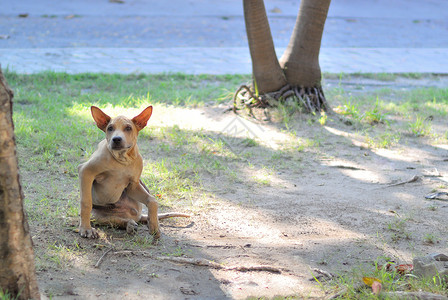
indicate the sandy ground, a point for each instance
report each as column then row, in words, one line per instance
column 332, row 207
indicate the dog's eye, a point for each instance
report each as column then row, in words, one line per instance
column 128, row 128
column 110, row 128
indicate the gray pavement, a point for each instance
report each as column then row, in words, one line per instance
column 222, row 60
column 200, row 36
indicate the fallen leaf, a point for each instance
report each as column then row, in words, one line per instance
column 370, row 280
column 405, row 268
column 376, row 287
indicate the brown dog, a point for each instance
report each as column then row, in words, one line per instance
column 110, row 180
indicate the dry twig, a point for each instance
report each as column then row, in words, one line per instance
column 205, row 262
column 214, row 265
column 324, row 273
column 172, row 215
column 413, row 179
column 347, row 167
column 102, row 256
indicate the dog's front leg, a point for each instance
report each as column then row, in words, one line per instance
column 86, row 179
column 137, row 192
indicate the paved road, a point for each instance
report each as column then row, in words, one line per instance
column 205, row 36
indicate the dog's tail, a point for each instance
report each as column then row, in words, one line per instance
column 144, row 186
column 144, row 218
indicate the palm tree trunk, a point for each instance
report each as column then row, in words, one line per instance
column 300, row 61
column 266, row 69
column 17, row 272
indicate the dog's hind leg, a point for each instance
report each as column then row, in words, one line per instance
column 123, row 214
column 115, row 221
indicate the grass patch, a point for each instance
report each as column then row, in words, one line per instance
column 398, row 229
column 52, row 117
column 386, row 115
column 384, row 270
column 5, row 295
column 383, row 140
column 420, row 127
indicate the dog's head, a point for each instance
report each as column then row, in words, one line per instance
column 121, row 132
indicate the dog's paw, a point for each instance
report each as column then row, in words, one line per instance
column 131, row 227
column 89, row 233
column 156, row 234
column 154, row 231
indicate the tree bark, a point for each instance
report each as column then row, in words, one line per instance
column 17, row 271
column 297, row 74
column 300, row 61
column 267, row 73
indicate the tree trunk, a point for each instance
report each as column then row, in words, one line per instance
column 297, row 76
column 268, row 75
column 300, row 61
column 17, row 272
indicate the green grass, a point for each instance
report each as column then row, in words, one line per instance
column 375, row 115
column 430, row 238
column 5, row 295
column 420, row 127
column 52, row 115
column 383, row 140
column 398, row 229
column 390, row 279
column 386, row 116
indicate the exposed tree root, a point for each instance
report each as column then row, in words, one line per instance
column 199, row 262
column 214, row 265
column 311, row 99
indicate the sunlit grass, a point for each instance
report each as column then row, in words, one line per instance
column 391, row 280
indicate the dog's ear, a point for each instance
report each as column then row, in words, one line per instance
column 101, row 119
column 141, row 120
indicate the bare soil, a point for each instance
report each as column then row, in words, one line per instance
column 331, row 206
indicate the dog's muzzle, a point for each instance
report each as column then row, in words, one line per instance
column 117, row 143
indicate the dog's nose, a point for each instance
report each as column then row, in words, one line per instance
column 116, row 139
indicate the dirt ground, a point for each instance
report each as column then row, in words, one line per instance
column 335, row 207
